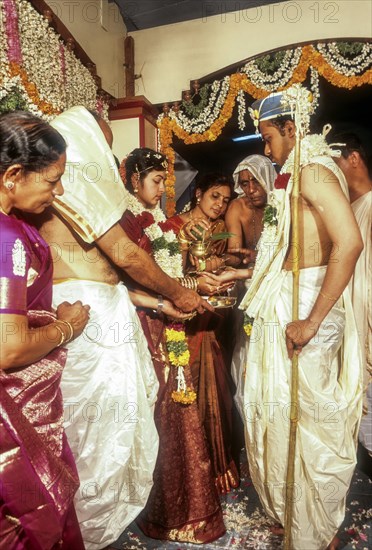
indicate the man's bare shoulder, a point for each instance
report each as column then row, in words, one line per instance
column 318, row 179
column 237, row 204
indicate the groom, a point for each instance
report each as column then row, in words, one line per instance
column 324, row 338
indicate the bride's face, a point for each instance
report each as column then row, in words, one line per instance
column 151, row 188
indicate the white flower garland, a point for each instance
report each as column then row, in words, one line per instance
column 270, row 83
column 171, row 264
column 59, row 76
column 347, row 67
column 282, row 75
column 80, row 86
column 269, row 237
column 40, row 54
column 314, row 87
column 242, row 109
column 312, row 146
column 217, row 98
column 3, row 42
column 300, row 101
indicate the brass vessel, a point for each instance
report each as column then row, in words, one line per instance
column 200, row 249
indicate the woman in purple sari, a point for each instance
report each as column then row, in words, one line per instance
column 38, row 478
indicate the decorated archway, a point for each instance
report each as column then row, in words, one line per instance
column 344, row 64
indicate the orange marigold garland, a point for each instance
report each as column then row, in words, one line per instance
column 18, row 20
column 32, row 92
column 310, row 57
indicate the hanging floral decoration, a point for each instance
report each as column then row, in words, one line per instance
column 167, row 255
column 179, row 356
column 248, row 324
column 343, row 64
column 38, row 72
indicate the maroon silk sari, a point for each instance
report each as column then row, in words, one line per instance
column 39, row 478
column 213, row 383
column 183, row 503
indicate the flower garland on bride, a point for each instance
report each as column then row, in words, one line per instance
column 167, row 255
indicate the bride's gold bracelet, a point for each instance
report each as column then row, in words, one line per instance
column 188, row 282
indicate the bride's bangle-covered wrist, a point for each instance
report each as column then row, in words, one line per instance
column 188, row 282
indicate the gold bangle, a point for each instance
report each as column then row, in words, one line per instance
column 62, row 340
column 328, row 296
column 182, row 235
column 193, row 283
column 183, row 240
column 188, row 282
column 70, row 328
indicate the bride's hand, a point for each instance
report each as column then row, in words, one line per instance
column 209, row 284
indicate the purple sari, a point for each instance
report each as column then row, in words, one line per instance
column 38, row 478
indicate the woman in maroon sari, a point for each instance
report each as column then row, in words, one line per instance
column 39, row 478
column 207, row 334
column 183, row 503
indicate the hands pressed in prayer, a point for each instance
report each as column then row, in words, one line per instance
column 298, row 334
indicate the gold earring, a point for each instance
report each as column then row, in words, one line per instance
column 9, row 184
column 198, row 200
column 135, row 190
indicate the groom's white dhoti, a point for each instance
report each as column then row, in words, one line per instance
column 330, row 382
column 109, row 388
column 328, row 415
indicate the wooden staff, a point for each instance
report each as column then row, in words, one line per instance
column 294, row 410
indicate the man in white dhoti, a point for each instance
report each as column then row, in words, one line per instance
column 254, row 178
column 109, row 384
column 354, row 164
column 325, row 337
